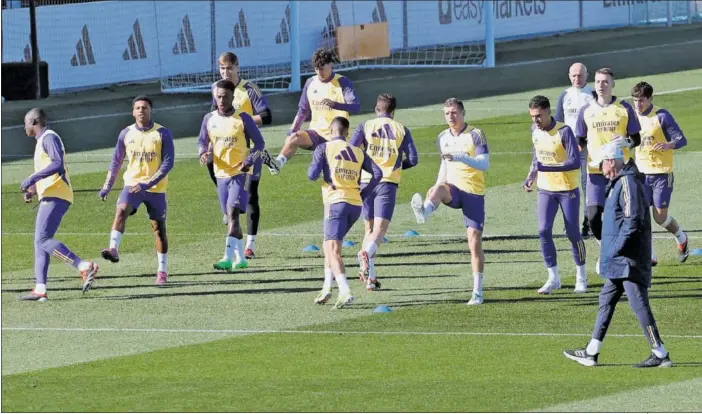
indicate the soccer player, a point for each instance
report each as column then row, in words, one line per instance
column 461, row 184
column 247, row 98
column 325, row 96
column 50, row 183
column 555, row 169
column 150, row 155
column 570, row 102
column 224, row 137
column 389, row 144
column 340, row 166
column 607, row 119
column 660, row 136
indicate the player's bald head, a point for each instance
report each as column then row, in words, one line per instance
column 35, row 116
column 577, row 74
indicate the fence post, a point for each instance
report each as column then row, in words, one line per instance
column 489, row 34
column 35, row 46
column 295, row 46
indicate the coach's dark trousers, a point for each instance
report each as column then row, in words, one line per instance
column 637, row 294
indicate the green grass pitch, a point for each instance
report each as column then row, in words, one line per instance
column 254, row 341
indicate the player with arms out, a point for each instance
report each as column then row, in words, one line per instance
column 389, row 144
column 607, row 119
column 150, row 155
column 556, row 171
column 247, row 98
column 224, row 137
column 50, row 183
column 340, row 166
column 660, row 137
column 325, row 96
column 461, row 184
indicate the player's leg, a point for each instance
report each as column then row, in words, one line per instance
column 237, row 199
column 253, row 215
column 546, row 209
column 570, row 206
column 595, row 201
column 49, row 216
column 473, row 207
column 585, row 231
column 210, row 170
column 637, row 295
column 648, row 190
column 127, row 205
column 368, row 212
column 326, row 293
column 437, row 195
column 609, row 297
column 156, row 207
column 383, row 208
column 341, row 217
column 662, row 191
column 308, row 140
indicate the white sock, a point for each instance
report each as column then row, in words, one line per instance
column 371, row 248
column 83, row 265
column 371, row 269
column 230, row 246
column 653, row 254
column 478, row 283
column 251, row 242
column 162, row 261
column 40, row 288
column 580, row 273
column 660, row 352
column 680, row 236
column 593, row 348
column 342, row 284
column 553, row 273
column 328, row 278
column 429, row 208
column 282, row 159
column 239, row 251
column 115, row 238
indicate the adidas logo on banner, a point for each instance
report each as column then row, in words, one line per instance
column 333, row 21
column 186, row 41
column 241, row 33
column 347, row 155
column 135, row 45
column 84, row 50
column 283, row 35
column 379, row 12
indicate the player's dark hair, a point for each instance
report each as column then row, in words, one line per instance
column 540, row 102
column 225, row 84
column 642, row 90
column 341, row 123
column 322, row 57
column 455, row 102
column 228, row 58
column 386, row 103
column 142, row 98
column 605, row 71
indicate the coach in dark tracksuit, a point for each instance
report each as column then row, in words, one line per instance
column 625, row 257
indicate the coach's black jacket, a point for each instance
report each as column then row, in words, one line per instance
column 626, row 229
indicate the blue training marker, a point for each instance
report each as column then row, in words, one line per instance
column 382, row 309
column 411, row 233
column 697, row 252
column 310, row 248
column 385, row 240
column 348, row 243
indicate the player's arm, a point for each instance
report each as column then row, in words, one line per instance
column 358, row 139
column 260, row 105
column 253, row 134
column 52, row 146
column 633, row 129
column 318, row 163
column 303, row 109
column 351, row 103
column 581, row 127
column 167, row 157
column 533, row 172
column 560, row 113
column 117, row 159
column 203, row 141
column 408, row 148
column 372, row 168
column 632, row 212
column 571, row 148
column 481, row 161
column 672, row 132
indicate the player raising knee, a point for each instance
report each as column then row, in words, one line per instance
column 605, row 120
column 50, row 183
column 660, row 136
column 148, row 147
column 461, row 184
column 326, row 96
column 556, row 171
column 340, row 166
column 389, row 144
column 226, row 133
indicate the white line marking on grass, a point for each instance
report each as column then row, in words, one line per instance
column 326, row 332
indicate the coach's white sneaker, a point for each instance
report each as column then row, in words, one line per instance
column 580, row 286
column 418, row 208
column 549, row 286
